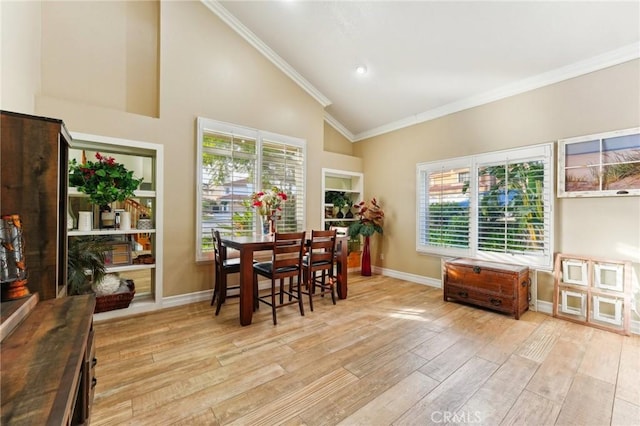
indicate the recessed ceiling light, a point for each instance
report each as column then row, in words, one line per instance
column 362, row 70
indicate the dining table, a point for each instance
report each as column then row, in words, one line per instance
column 249, row 244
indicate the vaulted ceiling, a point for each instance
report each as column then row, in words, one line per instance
column 426, row 59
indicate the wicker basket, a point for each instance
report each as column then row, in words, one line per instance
column 111, row 302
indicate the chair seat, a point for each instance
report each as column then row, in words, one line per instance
column 286, row 262
column 267, row 268
column 305, row 262
column 233, row 263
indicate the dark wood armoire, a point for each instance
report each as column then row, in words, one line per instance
column 34, row 158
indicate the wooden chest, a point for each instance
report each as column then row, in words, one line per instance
column 498, row 286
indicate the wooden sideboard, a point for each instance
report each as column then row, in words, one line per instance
column 48, row 362
column 498, row 286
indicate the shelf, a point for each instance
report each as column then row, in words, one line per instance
column 104, row 232
column 348, row 183
column 133, row 267
column 146, row 160
column 73, row 192
column 347, row 191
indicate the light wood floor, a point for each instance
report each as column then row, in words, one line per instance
column 392, row 353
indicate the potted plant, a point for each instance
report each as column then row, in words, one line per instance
column 104, row 181
column 370, row 221
column 85, row 259
column 339, row 201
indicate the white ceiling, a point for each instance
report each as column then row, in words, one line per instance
column 426, row 59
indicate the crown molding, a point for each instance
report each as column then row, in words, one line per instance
column 596, row 63
column 338, row 126
column 261, row 47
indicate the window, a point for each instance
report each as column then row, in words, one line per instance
column 606, row 164
column 463, row 177
column 233, row 163
column 495, row 206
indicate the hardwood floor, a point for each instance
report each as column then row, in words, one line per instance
column 392, row 353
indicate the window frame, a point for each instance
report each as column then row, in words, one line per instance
column 563, row 170
column 206, row 125
column 541, row 152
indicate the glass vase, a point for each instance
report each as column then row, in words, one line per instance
column 265, row 226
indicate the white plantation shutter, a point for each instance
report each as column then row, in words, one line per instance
column 515, row 198
column 444, row 207
column 233, row 163
column 283, row 166
column 502, row 213
column 228, row 167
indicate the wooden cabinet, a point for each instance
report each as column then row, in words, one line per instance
column 34, row 162
column 497, row 286
column 48, row 364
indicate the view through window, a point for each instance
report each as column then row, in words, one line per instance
column 495, row 206
column 234, row 162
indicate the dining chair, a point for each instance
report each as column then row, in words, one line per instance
column 320, row 258
column 223, row 267
column 286, row 262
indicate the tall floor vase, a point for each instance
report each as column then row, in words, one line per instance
column 365, row 269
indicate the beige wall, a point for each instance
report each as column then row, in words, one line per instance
column 335, row 142
column 19, row 55
column 204, row 68
column 601, row 101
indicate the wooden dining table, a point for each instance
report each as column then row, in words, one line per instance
column 248, row 245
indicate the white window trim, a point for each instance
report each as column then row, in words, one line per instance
column 530, row 153
column 206, row 124
column 422, row 168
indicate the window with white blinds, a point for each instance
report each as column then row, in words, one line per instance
column 233, row 163
column 444, row 206
column 496, row 206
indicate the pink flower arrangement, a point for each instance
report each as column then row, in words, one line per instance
column 267, row 201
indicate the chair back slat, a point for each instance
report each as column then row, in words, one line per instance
column 288, row 249
column 322, row 247
column 219, row 251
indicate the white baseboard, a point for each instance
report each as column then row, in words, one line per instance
column 418, row 279
column 545, row 307
column 185, row 299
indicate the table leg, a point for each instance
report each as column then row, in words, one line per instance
column 343, row 268
column 246, row 286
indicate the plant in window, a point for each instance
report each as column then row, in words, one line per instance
column 266, row 202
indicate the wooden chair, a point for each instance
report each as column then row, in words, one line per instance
column 321, row 258
column 286, row 262
column 223, row 267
